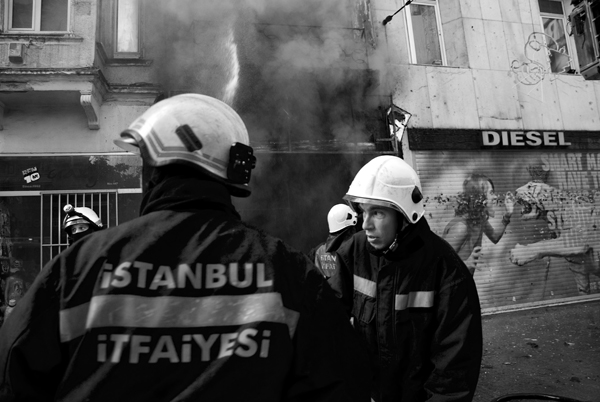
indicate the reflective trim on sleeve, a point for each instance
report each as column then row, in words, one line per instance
column 365, row 286
column 414, row 299
column 174, row 312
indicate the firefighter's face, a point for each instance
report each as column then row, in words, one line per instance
column 79, row 228
column 380, row 225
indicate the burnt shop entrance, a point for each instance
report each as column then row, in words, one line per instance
column 550, row 250
column 33, row 193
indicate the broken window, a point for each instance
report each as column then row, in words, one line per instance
column 26, row 16
column 585, row 31
column 425, row 33
column 363, row 21
column 554, row 23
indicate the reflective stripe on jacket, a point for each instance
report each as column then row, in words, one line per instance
column 418, row 311
column 184, row 303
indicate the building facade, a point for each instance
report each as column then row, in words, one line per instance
column 506, row 92
column 505, row 88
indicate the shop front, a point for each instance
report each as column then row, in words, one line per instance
column 33, row 192
column 549, row 248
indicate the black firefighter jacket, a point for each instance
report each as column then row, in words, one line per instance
column 418, row 310
column 185, row 303
column 324, row 255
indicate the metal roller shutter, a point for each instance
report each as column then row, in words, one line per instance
column 566, row 185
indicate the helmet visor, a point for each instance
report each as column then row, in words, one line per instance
column 363, row 200
column 127, row 142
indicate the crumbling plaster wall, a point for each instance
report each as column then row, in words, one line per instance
column 62, row 128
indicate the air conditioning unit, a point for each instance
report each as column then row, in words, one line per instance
column 15, row 52
column 585, row 24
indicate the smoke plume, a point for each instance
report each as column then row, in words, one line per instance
column 304, row 76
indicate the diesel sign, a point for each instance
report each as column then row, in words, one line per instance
column 523, row 138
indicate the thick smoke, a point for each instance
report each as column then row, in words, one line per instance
column 304, row 75
column 297, row 68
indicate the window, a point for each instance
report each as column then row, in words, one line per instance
column 425, row 33
column 127, row 35
column 554, row 23
column 120, row 29
column 25, row 16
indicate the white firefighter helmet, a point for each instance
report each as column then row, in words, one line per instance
column 79, row 215
column 341, row 216
column 198, row 131
column 390, row 182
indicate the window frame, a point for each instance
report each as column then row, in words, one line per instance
column 410, row 31
column 36, row 19
column 108, row 33
column 126, row 55
column 574, row 65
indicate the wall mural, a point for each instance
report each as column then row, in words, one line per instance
column 527, row 223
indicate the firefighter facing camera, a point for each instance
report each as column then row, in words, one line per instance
column 185, row 302
column 80, row 222
column 398, row 278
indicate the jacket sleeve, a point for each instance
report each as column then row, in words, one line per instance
column 30, row 348
column 330, row 364
column 311, row 254
column 457, row 344
column 342, row 284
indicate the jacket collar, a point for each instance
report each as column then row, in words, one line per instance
column 187, row 194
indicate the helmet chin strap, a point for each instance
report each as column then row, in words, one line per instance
column 392, row 246
column 400, row 233
column 403, row 225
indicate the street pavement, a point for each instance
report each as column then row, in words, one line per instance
column 551, row 350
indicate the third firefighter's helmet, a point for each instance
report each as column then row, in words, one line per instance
column 390, row 182
column 80, row 222
column 341, row 216
column 198, row 131
column 80, row 215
